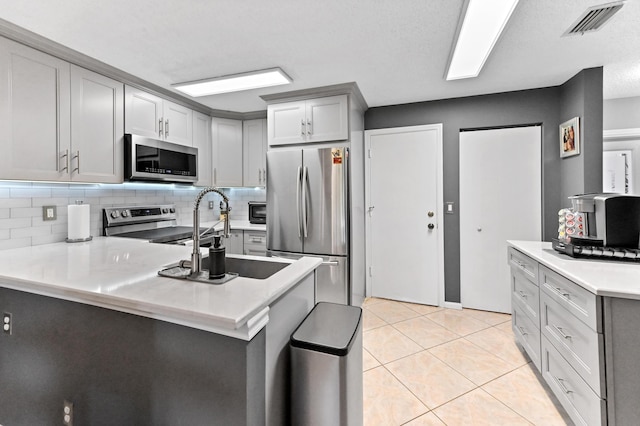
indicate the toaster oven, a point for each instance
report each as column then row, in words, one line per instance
column 257, row 212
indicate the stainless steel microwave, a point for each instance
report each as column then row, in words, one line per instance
column 147, row 159
column 257, row 212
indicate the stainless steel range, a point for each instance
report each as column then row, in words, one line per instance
column 156, row 224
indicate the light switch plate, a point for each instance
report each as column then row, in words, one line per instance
column 448, row 207
column 49, row 213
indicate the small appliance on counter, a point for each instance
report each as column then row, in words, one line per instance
column 258, row 212
column 600, row 225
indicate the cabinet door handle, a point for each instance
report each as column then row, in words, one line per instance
column 302, row 132
column 166, row 128
column 309, row 127
column 259, row 176
column 160, row 127
column 563, row 292
column 522, row 294
column 77, row 158
column 522, row 331
column 564, row 388
column 66, row 157
column 264, row 176
column 562, row 333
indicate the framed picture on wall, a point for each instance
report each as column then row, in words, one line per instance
column 570, row 137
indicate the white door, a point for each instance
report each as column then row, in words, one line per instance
column 500, row 200
column 404, row 222
column 254, row 149
column 202, row 141
column 143, row 113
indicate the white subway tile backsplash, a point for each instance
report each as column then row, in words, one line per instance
column 26, row 211
column 21, row 223
column 15, row 243
column 32, row 231
column 15, row 202
column 30, row 192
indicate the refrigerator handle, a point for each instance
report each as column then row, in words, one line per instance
column 298, row 185
column 305, row 219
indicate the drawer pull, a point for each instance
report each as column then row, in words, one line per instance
column 563, row 386
column 522, row 294
column 563, row 292
column 522, row 331
column 562, row 333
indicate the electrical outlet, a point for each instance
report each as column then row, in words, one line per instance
column 210, row 205
column 6, row 323
column 67, row 416
column 49, row 213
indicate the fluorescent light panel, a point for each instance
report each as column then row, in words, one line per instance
column 483, row 22
column 234, row 83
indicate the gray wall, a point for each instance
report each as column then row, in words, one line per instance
column 582, row 97
column 544, row 106
column 622, row 113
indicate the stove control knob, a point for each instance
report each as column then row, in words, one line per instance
column 165, row 210
column 125, row 213
column 172, row 210
column 115, row 214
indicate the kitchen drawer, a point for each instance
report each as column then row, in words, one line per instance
column 255, row 237
column 580, row 345
column 526, row 333
column 524, row 292
column 578, row 399
column 580, row 302
column 255, row 250
column 524, row 263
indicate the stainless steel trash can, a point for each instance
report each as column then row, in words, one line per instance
column 326, row 367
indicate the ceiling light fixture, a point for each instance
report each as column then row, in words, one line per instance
column 482, row 24
column 234, row 83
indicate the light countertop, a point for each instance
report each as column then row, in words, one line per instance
column 600, row 277
column 121, row 274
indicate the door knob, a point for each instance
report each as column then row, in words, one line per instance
column 431, row 226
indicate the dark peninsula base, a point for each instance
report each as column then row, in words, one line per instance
column 122, row 369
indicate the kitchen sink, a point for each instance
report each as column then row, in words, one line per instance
column 235, row 267
column 250, row 268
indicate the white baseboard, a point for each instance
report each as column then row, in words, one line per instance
column 452, row 305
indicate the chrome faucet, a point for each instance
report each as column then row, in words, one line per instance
column 196, row 256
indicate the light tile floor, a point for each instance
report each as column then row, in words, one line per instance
column 425, row 365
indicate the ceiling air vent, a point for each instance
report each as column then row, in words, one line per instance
column 594, row 18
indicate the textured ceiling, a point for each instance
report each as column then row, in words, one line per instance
column 395, row 50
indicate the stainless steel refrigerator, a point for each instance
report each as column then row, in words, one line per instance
column 308, row 214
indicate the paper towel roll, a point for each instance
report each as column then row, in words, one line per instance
column 78, row 221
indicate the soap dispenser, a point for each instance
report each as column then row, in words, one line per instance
column 216, row 259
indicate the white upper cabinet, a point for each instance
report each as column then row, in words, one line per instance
column 97, row 128
column 58, row 122
column 151, row 116
column 34, row 114
column 312, row 120
column 254, row 135
column 226, row 135
column 178, row 123
column 202, row 141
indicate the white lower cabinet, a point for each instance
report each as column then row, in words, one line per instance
column 235, row 243
column 255, row 243
column 576, row 396
column 560, row 326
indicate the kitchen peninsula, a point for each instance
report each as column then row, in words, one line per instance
column 92, row 323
